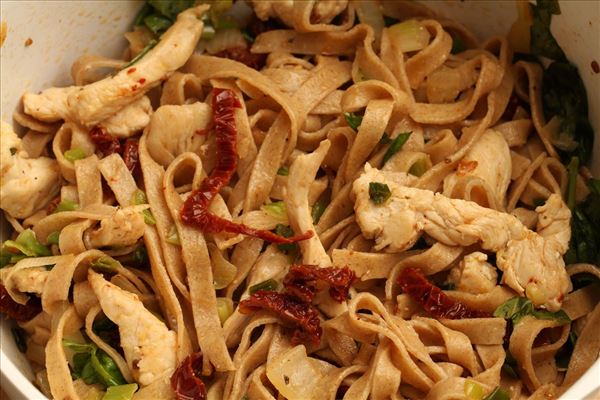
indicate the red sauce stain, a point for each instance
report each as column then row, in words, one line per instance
column 595, row 67
column 141, row 81
column 131, row 70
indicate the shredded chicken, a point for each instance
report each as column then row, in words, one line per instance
column 323, row 12
column 35, row 179
column 148, row 344
column 124, row 228
column 49, row 105
column 26, row 280
column 474, row 274
column 130, row 120
column 98, row 101
column 532, row 262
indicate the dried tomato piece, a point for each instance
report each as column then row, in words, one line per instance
column 302, row 279
column 301, row 315
column 243, row 55
column 432, row 298
column 16, row 311
column 131, row 155
column 186, row 382
column 104, row 142
column 195, row 208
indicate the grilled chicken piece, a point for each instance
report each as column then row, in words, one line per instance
column 323, row 12
column 474, row 274
column 26, row 185
column 98, row 101
column 27, row 280
column 532, row 262
column 124, row 228
column 148, row 344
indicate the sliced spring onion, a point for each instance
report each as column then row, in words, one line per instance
column 53, row 237
column 396, row 145
column 75, row 154
column 139, row 197
column 269, row 284
column 224, row 308
column 66, row 205
column 473, row 390
column 317, row 210
column 283, row 171
column 157, row 23
column 27, row 244
column 142, row 53
column 120, row 392
column 276, row 210
column 379, row 192
column 106, row 264
column 409, row 36
column 173, row 236
column 353, row 120
column 420, row 167
column 497, row 394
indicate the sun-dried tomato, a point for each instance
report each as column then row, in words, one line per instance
column 432, row 298
column 16, row 311
column 104, row 142
column 301, row 315
column 243, row 55
column 302, row 280
column 195, row 208
column 131, row 155
column 186, row 382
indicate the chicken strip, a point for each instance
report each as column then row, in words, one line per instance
column 532, row 262
column 97, row 101
column 26, row 184
column 474, row 274
column 148, row 344
column 124, row 228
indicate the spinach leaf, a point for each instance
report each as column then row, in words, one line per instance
column 585, row 218
column 542, row 42
column 283, row 171
column 379, row 192
column 518, row 307
column 170, row 8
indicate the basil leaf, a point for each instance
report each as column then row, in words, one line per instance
column 121, row 392
column 518, row 307
column 143, row 13
column 171, row 8
column 276, row 209
column 106, row 369
column 396, row 145
column 269, row 284
column 542, row 42
column 157, row 24
column 379, row 192
column 78, row 347
column 353, row 120
column 53, row 237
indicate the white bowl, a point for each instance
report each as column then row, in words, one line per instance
column 63, row 30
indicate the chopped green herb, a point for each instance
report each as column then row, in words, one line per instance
column 269, row 284
column 120, row 392
column 286, row 231
column 276, row 209
column 140, row 256
column 385, row 139
column 106, row 264
column 283, row 171
column 353, row 120
column 519, row 307
column 157, row 24
column 66, row 205
column 93, row 365
column 542, row 42
column 143, row 13
column 173, row 236
column 53, row 237
column 317, row 210
column 171, row 8
column 139, row 197
column 510, row 365
column 379, row 192
column 497, row 394
column 142, row 53
column 396, row 145
column 75, row 154
column 224, row 308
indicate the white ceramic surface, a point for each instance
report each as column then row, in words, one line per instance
column 63, row 30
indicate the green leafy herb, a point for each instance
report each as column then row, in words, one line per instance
column 458, row 45
column 585, row 218
column 379, row 192
column 248, row 36
column 157, row 23
column 142, row 53
column 25, row 245
column 542, row 42
column 138, row 198
column 317, row 210
column 143, row 13
column 224, row 308
column 66, row 205
column 353, row 120
column 286, row 231
column 93, row 365
column 283, row 171
column 20, row 338
column 518, row 307
column 419, row 167
column 497, row 394
column 269, row 284
column 173, row 236
column 106, row 264
column 385, row 139
column 276, row 209
column 53, row 237
column 171, row 8
column 396, row 145
column 75, row 154
column 140, row 257
column 120, row 392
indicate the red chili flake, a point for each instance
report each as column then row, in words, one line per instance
column 141, row 81
column 104, row 142
column 302, row 279
column 52, row 205
column 432, row 298
column 195, row 208
column 131, row 155
column 16, row 311
column 131, row 70
column 243, row 55
column 301, row 315
column 186, row 382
